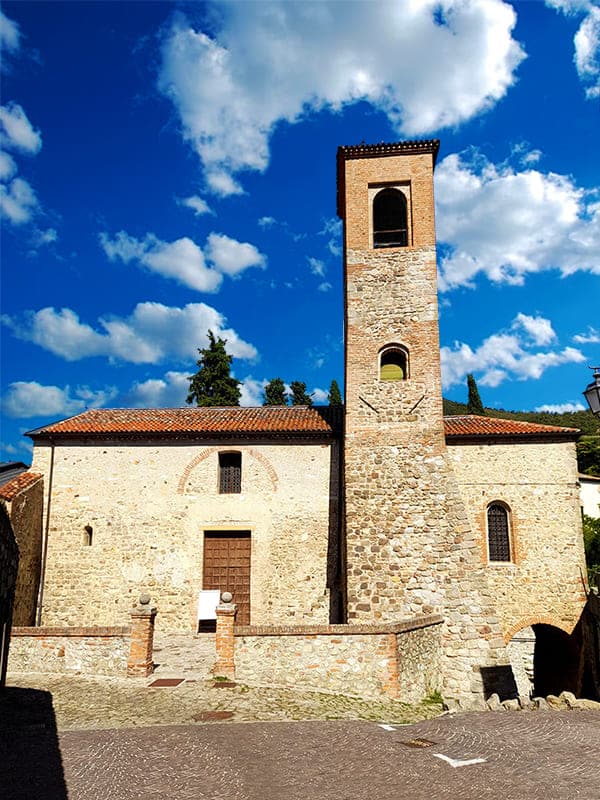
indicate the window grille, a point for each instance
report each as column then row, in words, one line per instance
column 390, row 228
column 230, row 473
column 498, row 533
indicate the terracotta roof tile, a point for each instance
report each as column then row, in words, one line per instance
column 11, row 489
column 196, row 422
column 470, row 425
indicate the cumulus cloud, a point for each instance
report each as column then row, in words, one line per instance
column 325, row 286
column 230, row 256
column 591, row 336
column 586, row 41
column 252, row 391
column 507, row 356
column 332, row 229
column 184, row 260
column 561, row 408
column 427, row 65
column 32, row 399
column 197, row 204
column 170, row 391
column 18, row 201
column 10, row 35
column 151, row 334
column 317, row 267
column 319, row 396
column 17, row 132
column 504, row 223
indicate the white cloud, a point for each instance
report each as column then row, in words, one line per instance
column 8, row 166
column 325, row 286
column 266, row 222
column 184, row 260
column 41, row 237
column 17, row 132
column 332, row 229
column 591, row 336
column 197, row 204
column 426, row 64
column 505, row 224
column 317, row 267
column 538, row 328
column 167, row 392
column 152, row 333
column 252, row 391
column 230, row 256
column 561, row 408
column 320, row 396
column 504, row 356
column 32, row 399
column 9, row 34
column 18, row 202
column 586, row 41
column 9, row 448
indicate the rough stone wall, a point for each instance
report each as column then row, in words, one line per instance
column 148, row 506
column 410, row 548
column 25, row 511
column 81, row 651
column 538, row 483
column 9, row 563
column 400, row 661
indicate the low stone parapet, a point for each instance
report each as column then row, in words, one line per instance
column 75, row 650
column 400, row 660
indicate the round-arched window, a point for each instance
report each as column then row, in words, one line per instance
column 390, row 228
column 393, row 364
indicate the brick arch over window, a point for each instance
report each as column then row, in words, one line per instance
column 526, row 622
column 393, row 363
column 499, row 532
column 209, row 451
column 390, row 219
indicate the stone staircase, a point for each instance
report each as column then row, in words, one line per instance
column 183, row 655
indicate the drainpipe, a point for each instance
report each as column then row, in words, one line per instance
column 45, row 547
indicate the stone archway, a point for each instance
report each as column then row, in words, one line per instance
column 557, row 661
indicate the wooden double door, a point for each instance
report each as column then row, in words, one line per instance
column 227, row 568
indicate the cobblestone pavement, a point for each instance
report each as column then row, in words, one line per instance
column 513, row 756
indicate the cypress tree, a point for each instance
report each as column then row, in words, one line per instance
column 474, row 404
column 299, row 395
column 274, row 394
column 213, row 384
column 334, row 398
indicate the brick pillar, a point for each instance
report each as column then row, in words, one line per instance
column 225, row 662
column 139, row 663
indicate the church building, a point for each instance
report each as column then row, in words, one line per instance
column 379, row 511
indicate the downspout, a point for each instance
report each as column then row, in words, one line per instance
column 45, row 547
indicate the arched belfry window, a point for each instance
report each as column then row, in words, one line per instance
column 498, row 532
column 390, row 220
column 393, row 364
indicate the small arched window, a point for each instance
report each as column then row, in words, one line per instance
column 393, row 364
column 230, row 473
column 87, row 536
column 498, row 532
column 390, row 226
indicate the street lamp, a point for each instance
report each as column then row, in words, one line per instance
column 592, row 393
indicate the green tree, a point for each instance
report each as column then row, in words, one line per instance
column 591, row 541
column 213, row 384
column 299, row 395
column 334, row 398
column 274, row 394
column 474, row 404
column 588, row 455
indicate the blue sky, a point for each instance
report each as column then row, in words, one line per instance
column 168, row 167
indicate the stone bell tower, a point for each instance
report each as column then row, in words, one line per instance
column 409, row 547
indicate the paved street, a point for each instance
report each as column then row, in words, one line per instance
column 527, row 755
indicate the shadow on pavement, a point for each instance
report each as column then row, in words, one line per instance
column 30, row 760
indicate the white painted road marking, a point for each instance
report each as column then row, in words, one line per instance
column 387, row 727
column 455, row 762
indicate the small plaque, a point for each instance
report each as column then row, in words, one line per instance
column 159, row 683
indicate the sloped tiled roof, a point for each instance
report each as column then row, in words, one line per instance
column 278, row 421
column 14, row 487
column 320, row 422
column 469, row 426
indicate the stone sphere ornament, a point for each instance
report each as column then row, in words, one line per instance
column 144, row 599
column 226, row 597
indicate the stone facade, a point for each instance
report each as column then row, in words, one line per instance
column 537, row 482
column 410, row 549
column 75, row 650
column 23, row 497
column 148, row 506
column 401, row 660
column 9, row 563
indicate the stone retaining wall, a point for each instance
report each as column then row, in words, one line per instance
column 84, row 651
column 401, row 660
